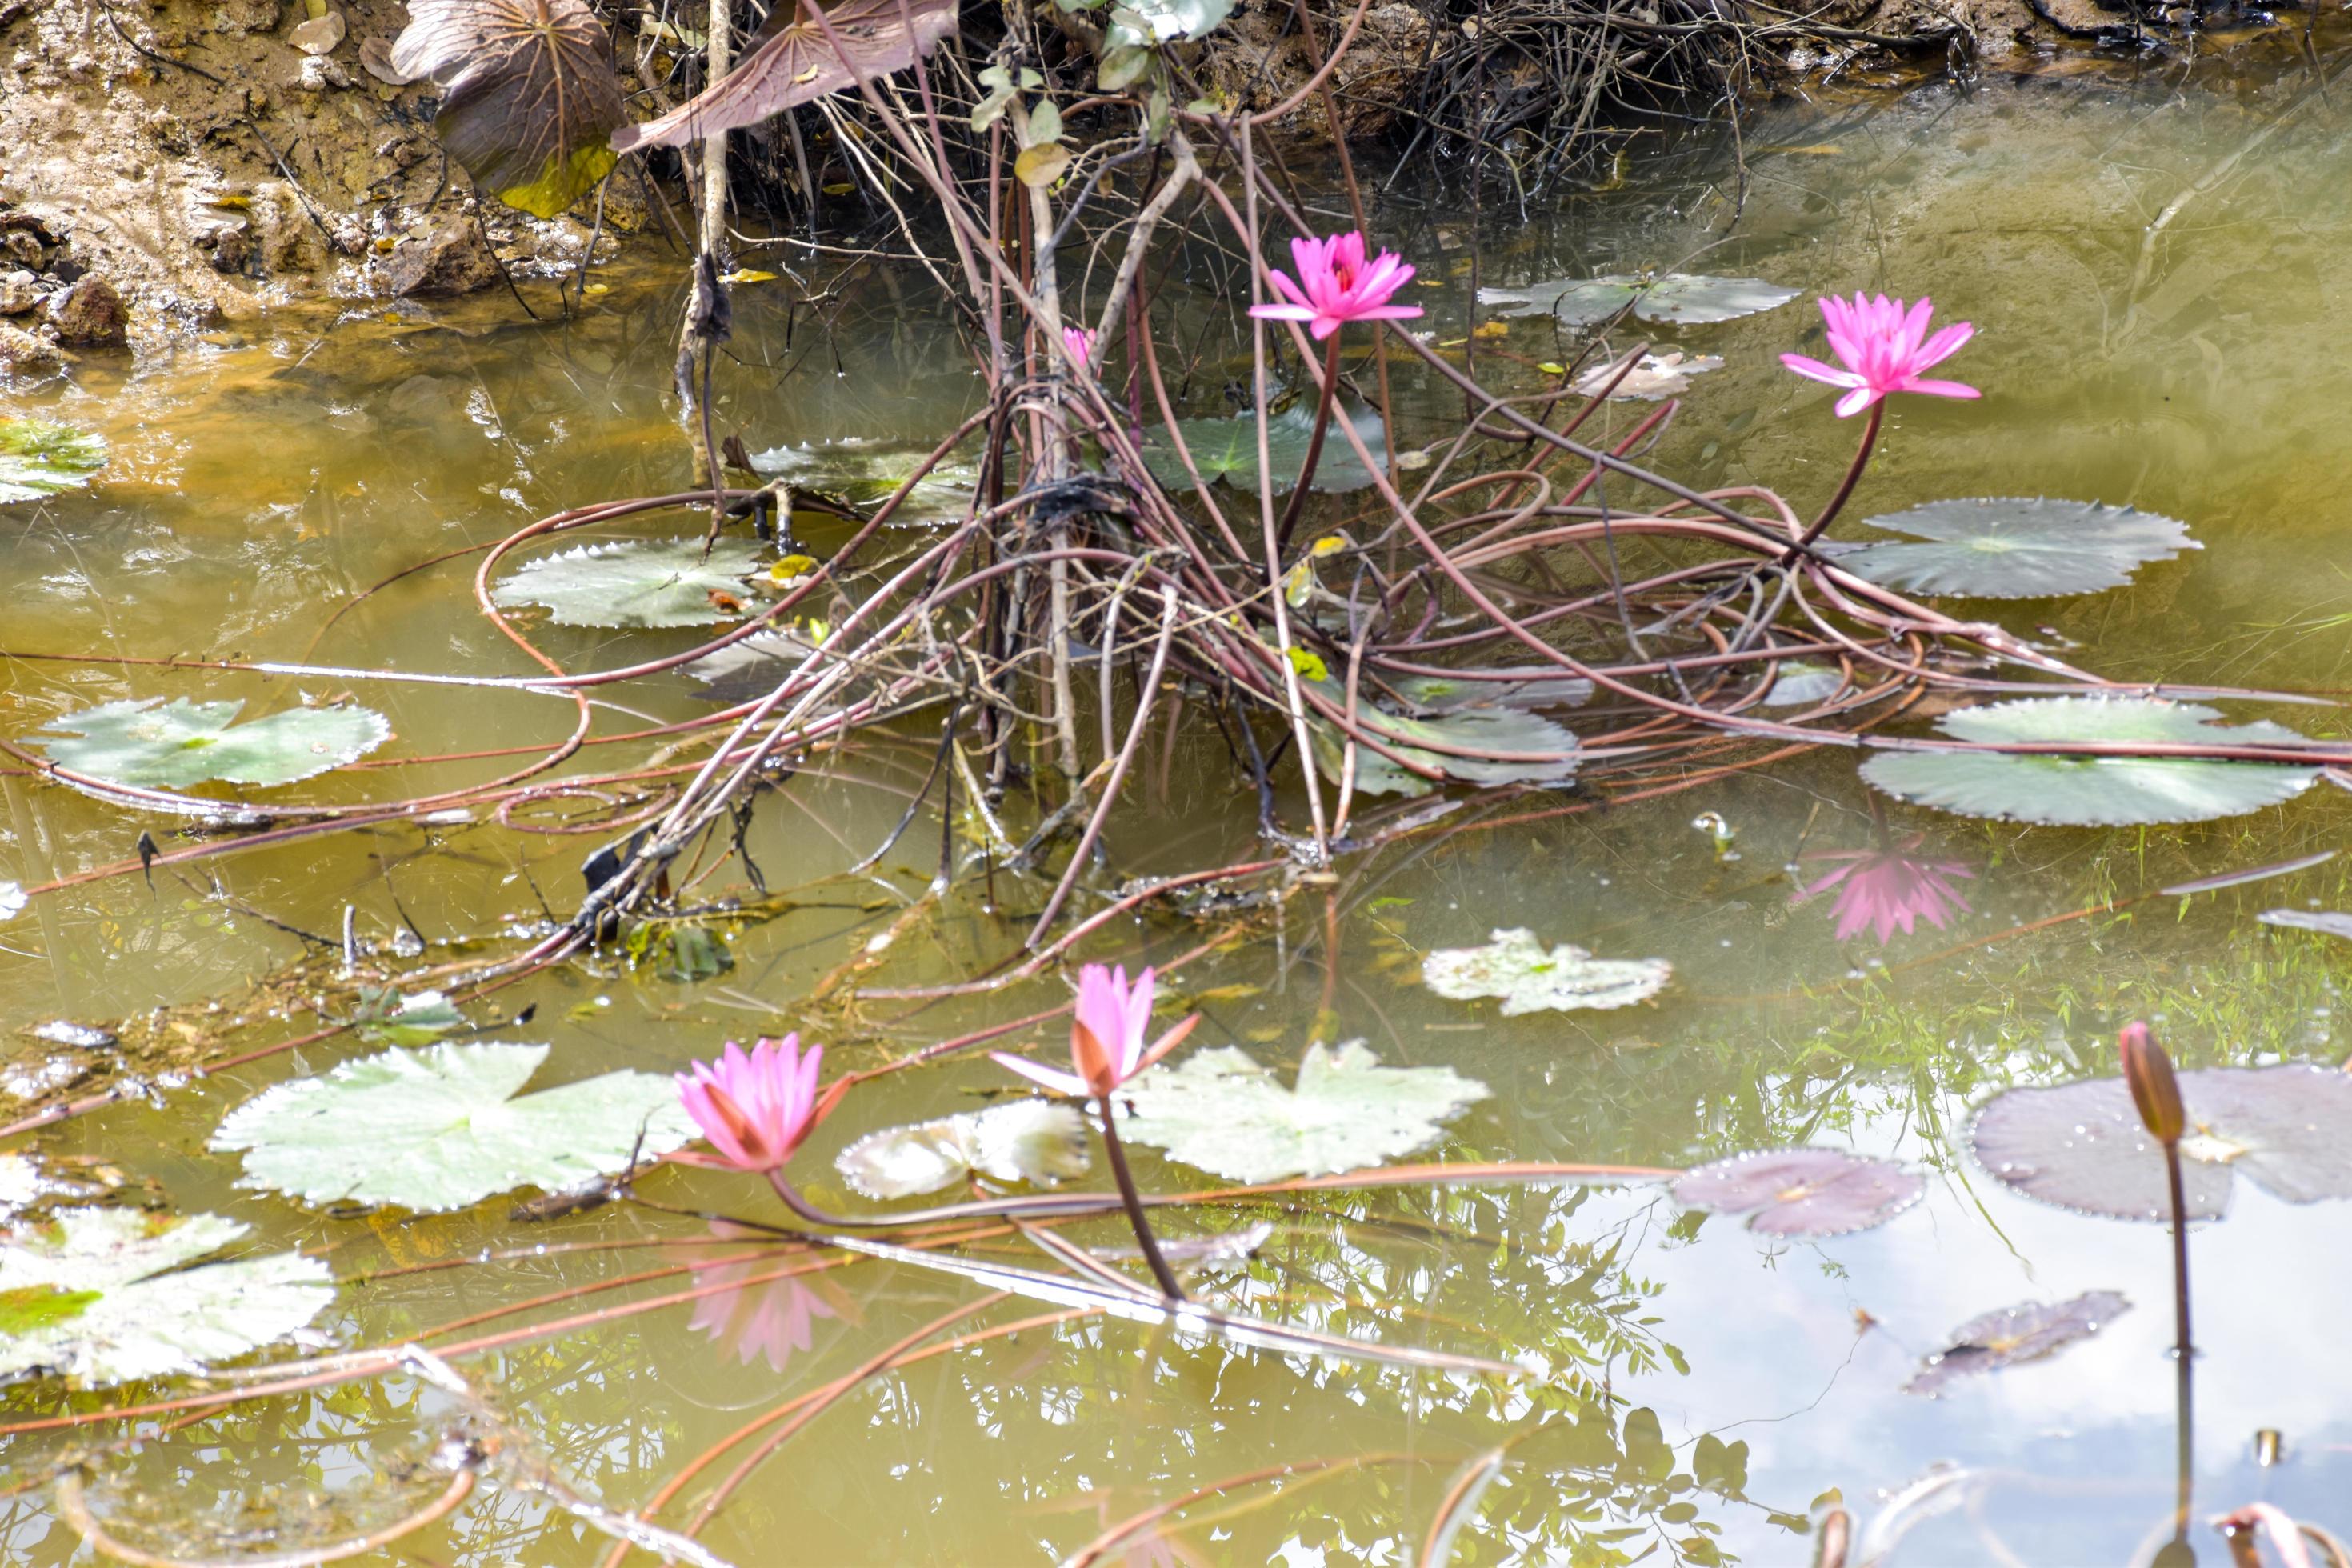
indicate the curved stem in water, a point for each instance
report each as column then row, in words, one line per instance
column 1852, row 478
column 1329, row 396
column 1116, row 1153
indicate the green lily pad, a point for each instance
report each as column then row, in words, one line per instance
column 636, row 584
column 1032, row 1140
column 1499, row 736
column 1678, row 296
column 862, row 472
column 178, row 744
column 2092, row 792
column 1226, row 449
column 1801, row 683
column 39, row 458
column 439, row 1128
column 1220, row 1110
column 388, row 1018
column 101, row 1296
column 1516, row 967
column 2006, row 547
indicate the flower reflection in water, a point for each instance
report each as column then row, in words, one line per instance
column 1887, row 887
column 774, row 1318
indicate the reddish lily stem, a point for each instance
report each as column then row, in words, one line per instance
column 1852, row 478
column 1117, row 1155
column 1330, row 395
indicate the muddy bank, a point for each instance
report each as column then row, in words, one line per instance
column 181, row 167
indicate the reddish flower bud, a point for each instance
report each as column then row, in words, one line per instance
column 2147, row 1071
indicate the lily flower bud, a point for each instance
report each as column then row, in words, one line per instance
column 2147, row 1071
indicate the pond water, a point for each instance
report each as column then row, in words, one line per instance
column 1722, row 1386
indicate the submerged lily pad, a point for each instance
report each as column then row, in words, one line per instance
column 1658, row 377
column 2009, row 547
column 2008, row 1335
column 1808, row 1193
column 1516, row 967
column 2092, row 792
column 638, row 582
column 178, row 744
column 1681, row 297
column 743, row 671
column 101, row 1295
column 1801, row 683
column 2081, row 1146
column 1432, row 694
column 39, row 458
column 1032, row 1140
column 1227, row 449
column 1220, row 1110
column 1498, row 738
column 439, row 1128
column 863, row 472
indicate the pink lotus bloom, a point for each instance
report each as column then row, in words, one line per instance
column 1336, row 286
column 773, row 1318
column 1880, row 343
column 755, row 1107
column 1106, row 1036
column 1079, row 344
column 1884, row 889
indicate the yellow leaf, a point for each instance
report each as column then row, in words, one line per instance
column 1431, row 282
column 1040, row 165
column 792, row 567
column 1310, row 667
column 1489, row 331
column 748, row 275
column 1549, row 368
column 1329, row 544
column 1299, row 586
column 845, row 188
column 597, row 288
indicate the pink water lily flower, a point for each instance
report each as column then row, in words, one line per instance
column 1335, row 285
column 1884, row 889
column 1107, row 1032
column 755, row 1107
column 1883, row 346
column 1079, row 342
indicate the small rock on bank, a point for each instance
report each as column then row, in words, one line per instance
column 92, row 313
column 452, row 259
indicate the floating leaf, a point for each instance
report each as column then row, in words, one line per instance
column 2005, row 547
column 1658, row 377
column 1516, row 967
column 388, row 1018
column 180, row 742
column 1427, row 694
column 636, row 584
column 1502, row 746
column 530, row 101
column 2008, row 1335
column 2326, row 922
column 439, row 1128
column 797, row 63
column 101, row 1295
column 1801, row 683
column 1032, row 1140
column 1679, row 297
column 2081, row 1146
column 861, row 472
column 1227, row 449
column 39, row 458
column 2092, row 792
column 1807, row 1193
column 1220, row 1110
column 752, row 667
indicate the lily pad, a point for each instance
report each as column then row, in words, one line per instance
column 1678, row 296
column 388, row 1018
column 1431, row 694
column 1658, row 377
column 178, row 744
column 1220, row 1110
column 1516, row 967
column 1806, row 1193
column 1227, row 449
column 101, row 1296
column 862, row 472
column 1499, row 738
column 2092, row 792
column 439, row 1128
column 2009, row 547
column 638, row 584
column 2008, row 1335
column 39, row 458
column 1032, row 1140
column 1801, row 683
column 2081, row 1146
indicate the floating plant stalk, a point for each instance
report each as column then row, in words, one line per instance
column 2156, row 1094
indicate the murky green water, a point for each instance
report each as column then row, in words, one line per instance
column 259, row 484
